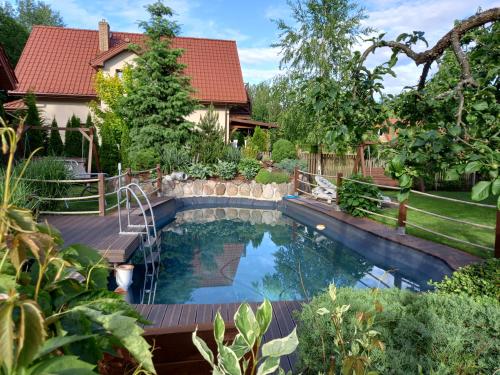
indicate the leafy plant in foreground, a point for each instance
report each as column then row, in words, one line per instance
column 243, row 355
column 353, row 196
column 56, row 314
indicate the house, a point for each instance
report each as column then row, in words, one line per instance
column 59, row 65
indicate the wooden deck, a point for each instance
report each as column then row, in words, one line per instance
column 283, row 322
column 101, row 232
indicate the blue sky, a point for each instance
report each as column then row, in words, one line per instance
column 249, row 23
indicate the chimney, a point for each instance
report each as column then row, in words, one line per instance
column 103, row 36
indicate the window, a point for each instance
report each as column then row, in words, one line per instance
column 119, row 73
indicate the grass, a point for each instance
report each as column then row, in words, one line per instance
column 474, row 214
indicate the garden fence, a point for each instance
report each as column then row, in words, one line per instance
column 98, row 189
column 305, row 185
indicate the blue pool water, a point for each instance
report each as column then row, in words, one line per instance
column 223, row 255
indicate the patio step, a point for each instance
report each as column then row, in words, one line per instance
column 379, row 177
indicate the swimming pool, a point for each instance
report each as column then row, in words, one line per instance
column 229, row 254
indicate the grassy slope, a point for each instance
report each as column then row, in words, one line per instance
column 479, row 215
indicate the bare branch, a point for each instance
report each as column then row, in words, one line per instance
column 423, row 76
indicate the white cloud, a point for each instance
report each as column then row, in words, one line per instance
column 255, row 75
column 259, row 55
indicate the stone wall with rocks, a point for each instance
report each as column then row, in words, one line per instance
column 234, row 188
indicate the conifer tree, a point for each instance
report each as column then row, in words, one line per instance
column 211, row 138
column 73, row 146
column 55, row 146
column 158, row 93
column 36, row 137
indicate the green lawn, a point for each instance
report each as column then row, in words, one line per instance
column 479, row 215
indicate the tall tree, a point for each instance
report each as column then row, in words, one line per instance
column 36, row 138
column 210, row 138
column 55, row 144
column 265, row 101
column 30, row 13
column 158, row 94
column 13, row 35
column 317, row 54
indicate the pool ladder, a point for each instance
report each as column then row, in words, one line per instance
column 149, row 242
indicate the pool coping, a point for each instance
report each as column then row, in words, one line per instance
column 452, row 257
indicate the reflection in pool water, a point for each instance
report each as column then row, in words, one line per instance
column 231, row 255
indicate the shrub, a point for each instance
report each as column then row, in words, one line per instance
column 200, row 171
column 46, row 168
column 283, row 149
column 226, row 170
column 266, row 177
column 143, row 159
column 231, row 154
column 476, row 280
column 249, row 168
column 55, row 146
column 290, row 164
column 260, row 139
column 173, row 158
column 350, row 195
column 447, row 334
column 209, row 138
column 22, row 196
column 249, row 151
column 73, row 145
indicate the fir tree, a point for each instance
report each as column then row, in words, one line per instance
column 36, row 138
column 211, row 139
column 73, row 146
column 259, row 139
column 89, row 125
column 55, row 146
column 158, row 94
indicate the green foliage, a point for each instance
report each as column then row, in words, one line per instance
column 226, row 170
column 476, row 280
column 55, row 146
column 249, row 168
column 445, row 334
column 260, row 140
column 158, row 95
column 265, row 102
column 50, row 321
column 266, row 177
column 249, row 151
column 143, row 159
column 199, row 171
column 114, row 133
column 244, row 353
column 36, row 138
column 283, row 149
column 13, row 36
column 231, row 154
column 29, row 13
column 290, row 164
column 73, row 146
column 46, row 168
column 431, row 135
column 352, row 196
column 209, row 138
column 174, row 159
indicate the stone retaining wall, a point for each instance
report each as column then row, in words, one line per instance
column 234, row 188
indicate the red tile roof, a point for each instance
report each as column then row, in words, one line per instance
column 58, row 61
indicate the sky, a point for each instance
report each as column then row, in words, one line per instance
column 249, row 23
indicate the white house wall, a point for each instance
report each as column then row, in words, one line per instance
column 62, row 110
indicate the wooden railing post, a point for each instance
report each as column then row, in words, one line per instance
column 101, row 187
column 158, row 177
column 296, row 180
column 402, row 217
column 339, row 185
column 497, row 236
column 128, row 176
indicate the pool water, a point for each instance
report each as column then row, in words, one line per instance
column 224, row 255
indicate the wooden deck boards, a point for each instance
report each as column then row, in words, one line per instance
column 170, row 316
